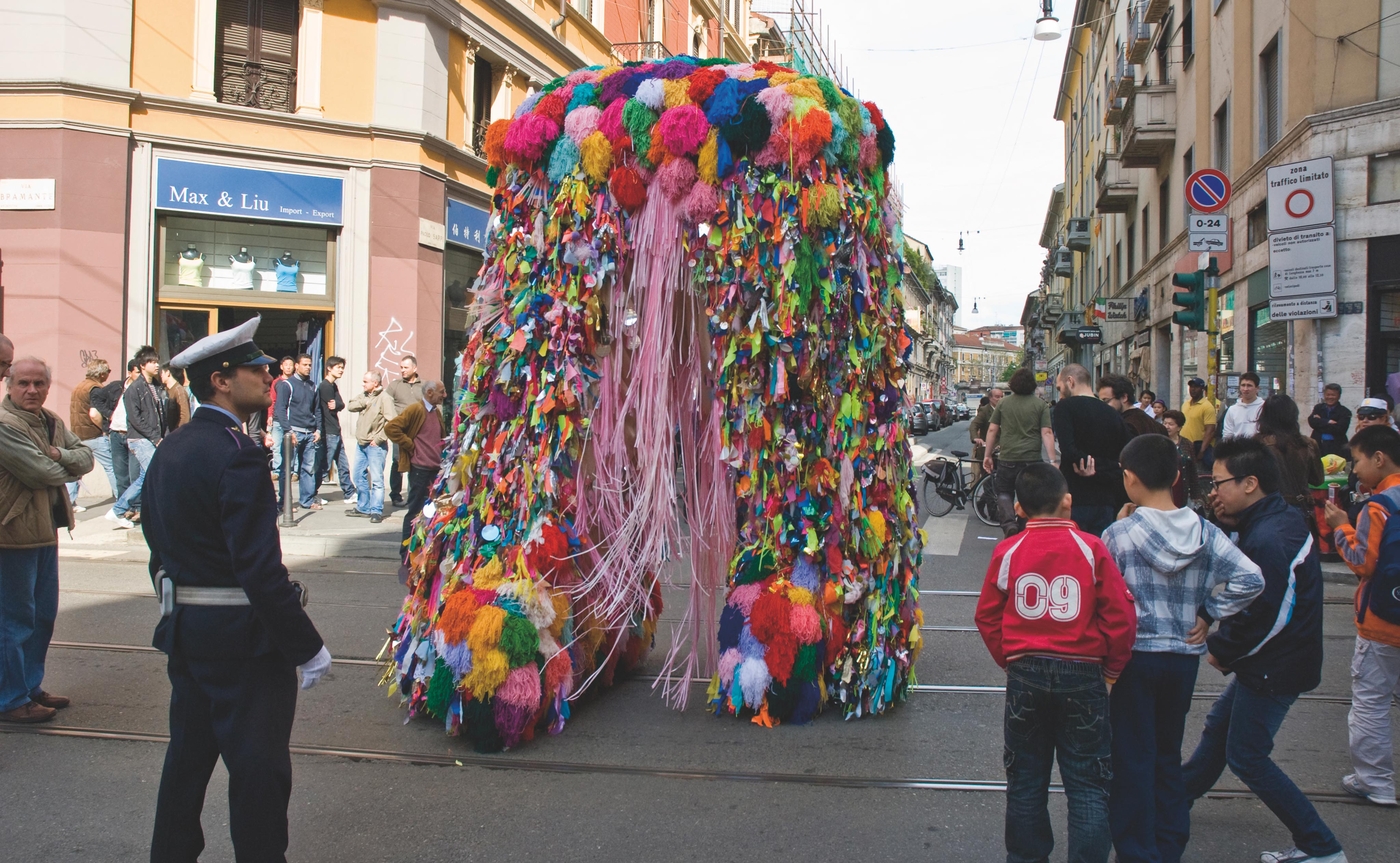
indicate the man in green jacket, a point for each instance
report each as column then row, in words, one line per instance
column 38, row 458
column 417, row 434
column 977, row 430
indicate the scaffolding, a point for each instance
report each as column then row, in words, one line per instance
column 801, row 38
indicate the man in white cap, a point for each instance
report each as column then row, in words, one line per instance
column 233, row 624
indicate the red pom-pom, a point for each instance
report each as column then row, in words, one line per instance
column 771, row 617
column 553, row 107
column 703, row 82
column 780, row 656
column 551, row 553
column 876, row 118
column 836, row 637
column 627, row 188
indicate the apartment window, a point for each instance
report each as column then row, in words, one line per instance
column 1131, row 266
column 255, row 53
column 1164, row 210
column 1146, row 224
column 1256, row 228
column 1164, row 50
column 1383, row 180
column 1118, row 256
column 482, row 97
column 1222, row 137
column 1270, row 98
column 1188, row 35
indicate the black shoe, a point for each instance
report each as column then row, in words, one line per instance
column 376, row 519
column 396, row 500
column 355, row 513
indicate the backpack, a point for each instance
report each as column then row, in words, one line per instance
column 1381, row 594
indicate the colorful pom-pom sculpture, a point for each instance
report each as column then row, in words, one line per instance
column 687, row 351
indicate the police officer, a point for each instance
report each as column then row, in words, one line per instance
column 233, row 625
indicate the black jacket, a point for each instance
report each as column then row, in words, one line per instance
column 145, row 411
column 1332, row 439
column 1275, row 644
column 295, row 405
column 104, row 400
column 1085, row 426
column 210, row 518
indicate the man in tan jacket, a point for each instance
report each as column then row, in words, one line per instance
column 38, row 457
column 372, row 444
column 417, row 433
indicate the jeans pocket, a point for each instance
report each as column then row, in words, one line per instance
column 1020, row 714
column 1086, row 731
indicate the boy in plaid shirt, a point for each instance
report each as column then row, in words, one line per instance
column 1171, row 559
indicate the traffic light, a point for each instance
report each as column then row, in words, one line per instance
column 1192, row 300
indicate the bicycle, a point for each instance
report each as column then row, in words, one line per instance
column 946, row 486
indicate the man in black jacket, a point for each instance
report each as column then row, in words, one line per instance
column 234, row 626
column 296, row 411
column 1091, row 435
column 1274, row 648
column 1330, row 420
column 145, row 427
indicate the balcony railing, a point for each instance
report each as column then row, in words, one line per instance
column 254, row 85
column 1116, row 193
column 1149, row 127
column 634, row 51
column 478, row 142
column 1139, row 32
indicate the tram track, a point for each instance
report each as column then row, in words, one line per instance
column 537, row 765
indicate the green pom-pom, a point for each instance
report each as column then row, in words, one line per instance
column 479, row 725
column 830, row 94
column 440, row 689
column 884, row 142
column 638, row 119
column 492, row 175
column 806, row 273
column 747, row 131
column 806, row 666
column 520, row 641
column 758, row 567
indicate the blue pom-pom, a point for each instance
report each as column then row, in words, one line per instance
column 750, row 646
column 804, row 574
column 583, row 95
column 564, row 160
column 808, row 701
column 731, row 623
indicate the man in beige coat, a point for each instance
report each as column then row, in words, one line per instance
column 38, row 457
column 372, row 445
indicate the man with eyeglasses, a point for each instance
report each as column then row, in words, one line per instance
column 1273, row 647
column 1373, row 412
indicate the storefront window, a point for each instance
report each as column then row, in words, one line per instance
column 1227, row 331
column 201, row 256
column 1268, row 350
column 461, row 266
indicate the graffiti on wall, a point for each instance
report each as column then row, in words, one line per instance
column 86, row 356
column 393, row 346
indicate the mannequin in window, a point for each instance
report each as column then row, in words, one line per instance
column 287, row 269
column 191, row 264
column 242, row 264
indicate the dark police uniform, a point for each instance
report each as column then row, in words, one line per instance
column 210, row 519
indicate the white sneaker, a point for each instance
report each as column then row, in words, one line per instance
column 77, row 508
column 1352, row 785
column 322, row 501
column 1293, row 855
column 112, row 516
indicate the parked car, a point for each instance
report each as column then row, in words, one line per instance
column 963, row 412
column 935, row 412
column 918, row 420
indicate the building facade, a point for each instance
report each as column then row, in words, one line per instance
column 1153, row 90
column 1011, row 333
column 951, row 275
column 982, row 360
column 316, row 162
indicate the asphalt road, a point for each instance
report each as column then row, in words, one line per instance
column 629, row 778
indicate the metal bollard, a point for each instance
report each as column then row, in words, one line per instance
column 284, row 479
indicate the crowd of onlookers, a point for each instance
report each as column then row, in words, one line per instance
column 1139, row 539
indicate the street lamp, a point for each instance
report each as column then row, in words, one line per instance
column 1047, row 28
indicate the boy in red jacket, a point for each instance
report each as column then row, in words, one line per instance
column 1056, row 615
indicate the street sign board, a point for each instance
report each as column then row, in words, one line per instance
column 1090, row 335
column 1303, row 263
column 1118, row 311
column 1208, row 190
column 1300, row 194
column 1209, row 233
column 1300, row 308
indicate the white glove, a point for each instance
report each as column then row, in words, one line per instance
column 315, row 668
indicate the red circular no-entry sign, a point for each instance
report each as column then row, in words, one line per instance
column 1298, row 203
column 1208, row 190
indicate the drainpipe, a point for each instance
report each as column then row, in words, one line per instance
column 558, row 22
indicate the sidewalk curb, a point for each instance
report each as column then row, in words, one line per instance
column 293, row 544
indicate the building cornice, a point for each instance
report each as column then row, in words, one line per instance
column 64, row 87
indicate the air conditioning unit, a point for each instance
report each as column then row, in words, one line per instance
column 1064, row 262
column 1078, row 238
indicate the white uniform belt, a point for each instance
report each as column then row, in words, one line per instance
column 210, row 596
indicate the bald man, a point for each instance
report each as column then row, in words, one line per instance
column 7, row 355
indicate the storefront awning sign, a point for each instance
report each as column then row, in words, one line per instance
column 225, row 190
column 466, row 225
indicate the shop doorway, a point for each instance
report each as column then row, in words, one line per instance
column 1383, row 312
column 283, row 332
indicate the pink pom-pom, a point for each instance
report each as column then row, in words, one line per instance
column 701, row 203
column 739, row 70
column 743, row 597
column 676, row 177
column 522, row 687
column 806, row 624
column 583, row 76
column 528, row 137
column 778, row 102
column 729, row 661
column 683, row 129
column 582, row 122
column 869, row 153
column 610, row 123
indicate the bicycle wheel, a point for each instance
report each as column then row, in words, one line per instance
column 934, row 503
column 984, row 502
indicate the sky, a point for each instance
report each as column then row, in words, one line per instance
column 977, row 150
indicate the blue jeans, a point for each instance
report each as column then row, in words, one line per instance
column 1147, row 809
column 277, row 432
column 369, row 477
column 142, row 450
column 1056, row 707
column 121, row 459
column 102, row 452
column 28, row 608
column 1240, row 731
column 332, row 449
column 1092, row 519
column 305, row 454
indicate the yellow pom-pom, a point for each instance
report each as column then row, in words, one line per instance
column 603, row 73
column 490, row 576
column 800, row 596
column 826, row 205
column 709, row 159
column 489, row 671
column 805, row 88
column 596, row 155
column 777, row 79
column 561, row 612
column 877, row 524
column 485, row 633
column 677, row 92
